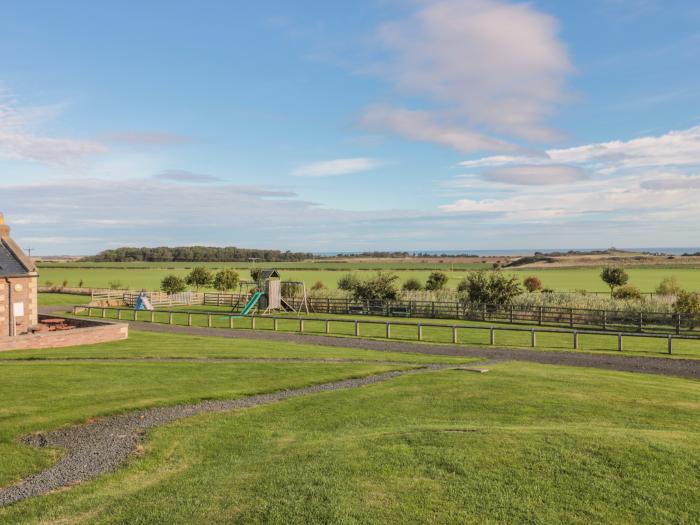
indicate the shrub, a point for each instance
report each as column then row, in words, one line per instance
column 669, row 286
column 436, row 281
column 688, row 303
column 532, row 283
column 614, row 276
column 199, row 277
column 65, row 283
column 173, row 284
column 489, row 287
column 115, row 285
column 318, row 285
column 348, row 282
column 255, row 274
column 226, row 279
column 627, row 292
column 80, row 283
column 290, row 289
column 412, row 285
column 381, row 287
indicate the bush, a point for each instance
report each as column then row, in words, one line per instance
column 669, row 286
column 116, row 285
column 255, row 274
column 381, row 287
column 291, row 289
column 412, row 285
column 489, row 287
column 627, row 292
column 436, row 281
column 532, row 284
column 614, row 276
column 688, row 303
column 64, row 284
column 199, row 277
column 226, row 279
column 173, row 284
column 318, row 286
column 348, row 282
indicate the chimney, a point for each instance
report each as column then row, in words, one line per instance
column 4, row 228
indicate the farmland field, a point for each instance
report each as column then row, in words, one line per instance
column 560, row 279
column 522, row 443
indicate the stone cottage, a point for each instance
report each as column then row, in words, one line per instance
column 18, row 287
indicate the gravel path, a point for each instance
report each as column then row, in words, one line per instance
column 689, row 368
column 100, row 447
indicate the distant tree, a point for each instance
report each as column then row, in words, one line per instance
column 669, row 286
column 627, row 292
column 199, row 277
column 412, row 285
column 318, row 285
column 436, row 281
column 226, row 279
column 380, row 287
column 348, row 282
column 532, row 284
column 614, row 276
column 173, row 284
column 489, row 287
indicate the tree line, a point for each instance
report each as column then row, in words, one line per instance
column 195, row 254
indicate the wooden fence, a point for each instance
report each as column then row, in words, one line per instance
column 187, row 318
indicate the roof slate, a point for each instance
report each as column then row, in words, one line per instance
column 10, row 264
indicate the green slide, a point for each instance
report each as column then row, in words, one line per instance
column 251, row 304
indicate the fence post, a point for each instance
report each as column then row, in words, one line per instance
column 388, row 330
column 119, row 315
column 89, row 312
column 670, row 343
column 230, row 321
column 539, row 319
column 454, row 335
column 328, row 326
column 619, row 342
column 432, row 309
column 301, row 325
column 209, row 320
column 492, row 336
column 575, row 340
column 420, row 332
column 511, row 314
column 189, row 319
column 357, row 328
column 274, row 324
column 678, row 323
column 605, row 319
column 153, row 316
column 252, row 322
column 170, row 318
column 456, row 309
column 533, row 338
column 641, row 321
column 571, row 317
column 104, row 313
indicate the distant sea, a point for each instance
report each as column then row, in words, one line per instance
column 484, row 253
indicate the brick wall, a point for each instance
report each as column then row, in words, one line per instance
column 18, row 290
column 88, row 332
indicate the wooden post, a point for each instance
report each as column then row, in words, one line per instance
column 670, row 343
column 89, row 312
column 533, row 338
column 209, row 320
column 252, row 323
column 605, row 319
column 328, row 326
column 170, row 318
column 511, row 314
column 357, row 328
column 641, row 321
column 575, row 340
column 136, row 315
column 301, row 325
column 153, row 316
column 230, row 321
column 119, row 314
column 388, row 330
column 619, row 342
column 539, row 320
column 571, row 317
column 274, row 324
column 454, row 335
column 420, row 332
column 189, row 319
column 104, row 313
column 492, row 336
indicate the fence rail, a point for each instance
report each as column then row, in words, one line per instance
column 128, row 314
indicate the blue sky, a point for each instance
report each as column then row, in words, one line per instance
column 426, row 124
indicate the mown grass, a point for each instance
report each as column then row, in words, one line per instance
column 562, row 279
column 521, row 444
column 40, row 395
column 61, row 299
column 344, row 326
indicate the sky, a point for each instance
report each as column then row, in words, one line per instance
column 350, row 126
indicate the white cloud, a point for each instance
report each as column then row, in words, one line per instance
column 488, row 67
column 332, row 168
column 146, row 138
column 185, row 176
column 18, row 143
column 534, row 175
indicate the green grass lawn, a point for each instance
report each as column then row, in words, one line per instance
column 563, row 279
column 344, row 326
column 61, row 299
column 521, row 444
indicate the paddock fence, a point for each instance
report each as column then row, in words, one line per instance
column 449, row 332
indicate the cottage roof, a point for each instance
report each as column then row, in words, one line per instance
column 13, row 261
column 269, row 272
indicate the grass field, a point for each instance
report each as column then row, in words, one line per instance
column 467, row 336
column 523, row 443
column 561, row 279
